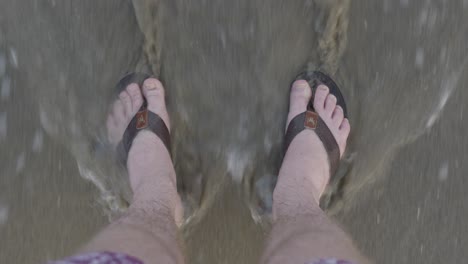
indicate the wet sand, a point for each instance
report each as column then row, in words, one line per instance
column 402, row 66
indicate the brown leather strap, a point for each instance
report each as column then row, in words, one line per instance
column 144, row 120
column 304, row 121
column 311, row 120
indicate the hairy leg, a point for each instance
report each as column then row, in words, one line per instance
column 149, row 229
column 302, row 233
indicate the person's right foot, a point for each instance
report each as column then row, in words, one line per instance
column 305, row 170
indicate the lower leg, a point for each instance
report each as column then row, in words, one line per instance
column 148, row 230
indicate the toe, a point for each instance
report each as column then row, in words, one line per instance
column 300, row 96
column 153, row 91
column 320, row 97
column 299, row 99
column 338, row 115
column 136, row 97
column 114, row 128
column 126, row 102
column 330, row 104
column 110, row 123
column 345, row 127
column 118, row 110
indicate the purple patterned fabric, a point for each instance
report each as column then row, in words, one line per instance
column 100, row 258
column 329, row 261
column 119, row 258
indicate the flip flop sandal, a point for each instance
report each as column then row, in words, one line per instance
column 311, row 120
column 143, row 120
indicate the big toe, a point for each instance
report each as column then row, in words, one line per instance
column 299, row 98
column 153, row 90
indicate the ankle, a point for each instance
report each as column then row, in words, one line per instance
column 146, row 200
column 292, row 207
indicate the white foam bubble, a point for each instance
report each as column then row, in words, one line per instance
column 423, row 17
column 14, row 57
column 20, row 162
column 386, row 6
column 449, row 86
column 3, row 125
column 38, row 141
column 2, row 64
column 443, row 172
column 222, row 36
column 404, row 3
column 90, row 175
column 4, row 211
column 442, row 102
column 46, row 123
column 5, row 89
column 443, row 54
column 267, row 143
column 263, row 187
column 419, row 60
column 236, row 164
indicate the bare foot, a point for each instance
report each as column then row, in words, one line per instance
column 305, row 170
column 150, row 168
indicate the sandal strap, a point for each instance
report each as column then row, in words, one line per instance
column 145, row 120
column 311, row 120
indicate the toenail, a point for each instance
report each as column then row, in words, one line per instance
column 323, row 87
column 332, row 97
column 150, row 84
column 300, row 84
column 133, row 87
